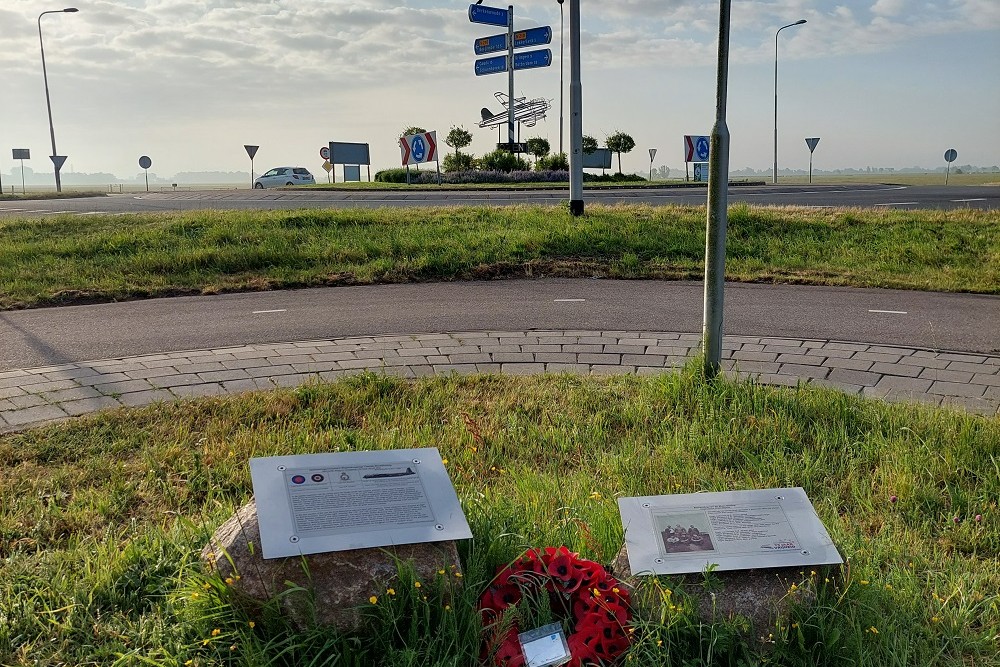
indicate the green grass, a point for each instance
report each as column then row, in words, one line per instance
column 72, row 259
column 49, row 195
column 101, row 519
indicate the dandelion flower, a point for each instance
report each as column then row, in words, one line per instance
column 444, row 461
column 390, row 591
column 216, row 632
column 416, row 584
column 252, row 625
column 373, row 599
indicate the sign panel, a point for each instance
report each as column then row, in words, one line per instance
column 488, row 15
column 348, row 153
column 599, row 159
column 418, row 148
column 58, row 161
column 652, row 154
column 951, row 155
column 327, row 167
column 324, row 152
column 522, row 39
column 517, row 147
column 696, row 148
column 532, row 59
column 352, row 172
column 251, row 150
column 145, row 162
column 21, row 153
column 733, row 530
column 701, row 172
column 811, row 142
column 493, row 65
column 315, row 503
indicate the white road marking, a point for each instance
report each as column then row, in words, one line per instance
column 898, row 203
column 93, row 213
column 889, row 312
column 568, row 300
column 961, row 200
column 56, row 212
column 262, row 312
column 13, row 209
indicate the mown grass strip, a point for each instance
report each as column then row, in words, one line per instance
column 73, row 259
column 101, row 519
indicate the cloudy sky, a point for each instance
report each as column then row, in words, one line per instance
column 188, row 82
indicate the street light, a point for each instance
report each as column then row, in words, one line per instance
column 774, row 175
column 56, row 162
column 560, row 76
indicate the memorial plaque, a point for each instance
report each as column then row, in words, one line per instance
column 732, row 530
column 315, row 503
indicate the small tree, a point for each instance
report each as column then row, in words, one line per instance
column 458, row 162
column 554, row 162
column 619, row 142
column 589, row 144
column 501, row 160
column 458, row 138
column 538, row 146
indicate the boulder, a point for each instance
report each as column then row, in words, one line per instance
column 763, row 597
column 326, row 589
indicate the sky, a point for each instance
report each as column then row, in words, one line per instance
column 882, row 83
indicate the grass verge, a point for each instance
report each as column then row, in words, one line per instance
column 101, row 519
column 101, row 258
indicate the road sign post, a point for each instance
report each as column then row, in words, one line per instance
column 146, row 163
column 717, row 220
column 652, row 154
column 575, row 113
column 950, row 156
column 21, row 154
column 251, row 151
column 510, row 74
column 811, row 142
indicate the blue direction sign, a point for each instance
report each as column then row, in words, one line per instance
column 531, row 59
column 492, row 65
column 488, row 15
column 522, row 38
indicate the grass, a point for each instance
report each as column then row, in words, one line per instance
column 102, row 518
column 49, row 195
column 102, row 258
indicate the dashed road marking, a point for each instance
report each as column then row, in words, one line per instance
column 957, row 201
column 889, row 312
column 568, row 300
column 262, row 312
column 898, row 203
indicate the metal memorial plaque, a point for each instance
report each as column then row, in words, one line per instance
column 316, row 503
column 732, row 530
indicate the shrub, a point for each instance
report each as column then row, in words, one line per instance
column 458, row 162
column 501, row 160
column 397, row 175
column 554, row 162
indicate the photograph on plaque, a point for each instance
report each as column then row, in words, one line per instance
column 316, row 503
column 732, row 530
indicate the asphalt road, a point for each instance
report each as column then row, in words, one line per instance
column 51, row 336
column 888, row 196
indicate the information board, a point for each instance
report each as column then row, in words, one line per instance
column 316, row 503
column 733, row 530
column 342, row 152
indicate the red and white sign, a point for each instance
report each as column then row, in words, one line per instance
column 418, row 148
column 324, row 152
column 696, row 148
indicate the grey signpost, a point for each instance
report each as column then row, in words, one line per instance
column 575, row 113
column 652, row 154
column 146, row 163
column 718, row 195
column 811, row 142
column 21, row 154
column 251, row 151
column 950, row 156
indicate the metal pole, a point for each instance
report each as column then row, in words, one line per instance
column 251, row 173
column 810, row 167
column 48, row 103
column 774, row 173
column 718, row 194
column 575, row 113
column 561, row 68
column 147, row 179
column 24, row 191
column 510, row 77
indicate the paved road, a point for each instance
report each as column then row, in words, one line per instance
column 932, row 320
column 888, row 196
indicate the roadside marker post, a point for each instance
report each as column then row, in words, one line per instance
column 146, row 163
column 21, row 154
column 652, row 154
column 950, row 156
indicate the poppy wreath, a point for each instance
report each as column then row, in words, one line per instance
column 596, row 604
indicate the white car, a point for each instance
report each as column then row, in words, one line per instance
column 281, row 176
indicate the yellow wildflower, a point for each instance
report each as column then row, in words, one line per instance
column 230, row 580
column 373, row 599
column 390, row 591
column 216, row 632
column 252, row 625
column 444, row 461
column 873, row 630
column 416, row 584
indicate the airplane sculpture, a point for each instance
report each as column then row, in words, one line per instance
column 527, row 112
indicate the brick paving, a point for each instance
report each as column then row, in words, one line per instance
column 33, row 396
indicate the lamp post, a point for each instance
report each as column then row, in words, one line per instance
column 774, row 175
column 56, row 161
column 561, row 106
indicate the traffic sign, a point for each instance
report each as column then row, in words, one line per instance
column 145, row 162
column 21, row 153
column 324, row 152
column 327, row 166
column 951, row 155
column 696, row 148
column 251, row 150
column 488, row 15
column 493, row 65
column 522, row 38
column 652, row 154
column 417, row 148
column 811, row 143
column 58, row 161
column 532, row 59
